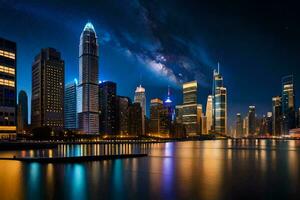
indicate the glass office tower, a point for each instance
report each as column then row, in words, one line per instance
column 88, row 89
column 288, row 104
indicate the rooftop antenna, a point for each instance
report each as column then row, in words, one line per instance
column 169, row 91
column 140, row 79
column 218, row 68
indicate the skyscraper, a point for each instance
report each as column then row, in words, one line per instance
column 70, row 106
column 269, row 119
column 239, row 125
column 189, row 108
column 220, row 107
column 159, row 119
column 108, row 108
column 140, row 97
column 252, row 120
column 209, row 113
column 8, row 66
column 199, row 118
column 22, row 111
column 246, row 126
column 47, row 102
column 135, row 120
column 276, row 116
column 288, row 104
column 219, row 101
column 88, row 91
column 169, row 105
column 123, row 106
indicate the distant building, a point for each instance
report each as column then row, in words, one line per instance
column 209, row 113
column 140, row 97
column 204, row 124
column 288, row 104
column 219, row 97
column 169, row 105
column 276, row 116
column 252, row 120
column 108, row 108
column 239, row 125
column 220, row 101
column 8, row 97
column 135, row 120
column 88, row 91
column 70, row 106
column 123, row 106
column 189, row 108
column 269, row 126
column 47, row 102
column 246, row 126
column 22, row 111
column 199, row 118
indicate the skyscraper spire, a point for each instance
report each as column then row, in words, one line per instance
column 218, row 68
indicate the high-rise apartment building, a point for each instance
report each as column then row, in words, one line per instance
column 47, row 101
column 8, row 97
column 88, row 91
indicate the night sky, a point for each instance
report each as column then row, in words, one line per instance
column 160, row 43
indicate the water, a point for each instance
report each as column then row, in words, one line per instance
column 257, row 169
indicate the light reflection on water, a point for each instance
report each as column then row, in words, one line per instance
column 255, row 169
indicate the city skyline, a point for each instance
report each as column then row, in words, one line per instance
column 241, row 95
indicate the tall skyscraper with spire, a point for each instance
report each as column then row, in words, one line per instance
column 88, row 105
column 219, row 94
column 140, row 97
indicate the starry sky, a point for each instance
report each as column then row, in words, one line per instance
column 166, row 42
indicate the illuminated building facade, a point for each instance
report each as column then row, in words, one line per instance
column 159, row 119
column 140, row 97
column 209, row 113
column 88, row 91
column 70, row 107
column 276, row 116
column 123, row 105
column 252, row 120
column 189, row 108
column 108, row 108
column 220, row 110
column 47, row 101
column 8, row 99
column 239, row 125
column 219, row 101
column 22, row 112
column 288, row 104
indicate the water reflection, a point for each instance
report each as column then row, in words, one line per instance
column 233, row 169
